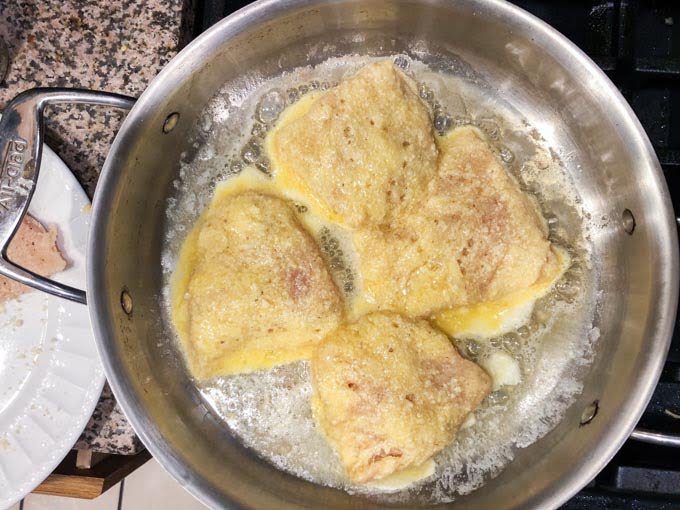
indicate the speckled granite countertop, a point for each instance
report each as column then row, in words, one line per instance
column 111, row 45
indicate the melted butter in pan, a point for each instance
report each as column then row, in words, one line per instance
column 376, row 212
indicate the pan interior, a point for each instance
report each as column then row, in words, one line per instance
column 269, row 411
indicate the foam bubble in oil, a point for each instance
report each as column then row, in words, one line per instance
column 270, row 410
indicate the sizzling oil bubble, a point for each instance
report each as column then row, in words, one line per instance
column 235, row 166
column 301, row 208
column 252, row 151
column 497, row 398
column 442, row 122
column 292, row 95
column 401, row 62
column 462, row 120
column 506, row 155
column 341, row 269
column 490, row 127
column 206, row 123
column 425, row 93
column 258, row 130
column 510, row 342
column 473, row 348
column 263, row 166
column 551, row 220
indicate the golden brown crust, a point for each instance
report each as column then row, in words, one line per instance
column 494, row 229
column 259, row 293
column 363, row 149
column 472, row 237
column 391, row 393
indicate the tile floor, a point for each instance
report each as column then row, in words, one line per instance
column 148, row 488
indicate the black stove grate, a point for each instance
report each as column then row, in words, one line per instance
column 637, row 43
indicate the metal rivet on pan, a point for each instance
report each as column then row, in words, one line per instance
column 590, row 412
column 126, row 302
column 170, row 122
column 628, row 221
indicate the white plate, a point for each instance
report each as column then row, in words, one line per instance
column 50, row 373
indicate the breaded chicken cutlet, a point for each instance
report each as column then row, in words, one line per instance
column 253, row 290
column 391, row 392
column 358, row 151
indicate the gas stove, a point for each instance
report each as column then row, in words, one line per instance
column 637, row 43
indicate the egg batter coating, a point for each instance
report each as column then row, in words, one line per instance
column 405, row 267
column 361, row 150
column 391, row 392
column 496, row 231
column 251, row 289
column 473, row 237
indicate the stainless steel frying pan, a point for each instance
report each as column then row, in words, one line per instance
column 533, row 67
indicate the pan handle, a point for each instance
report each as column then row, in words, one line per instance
column 21, row 139
column 658, row 438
